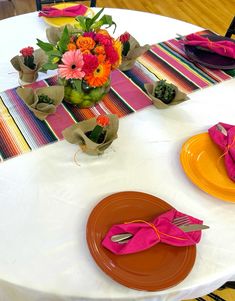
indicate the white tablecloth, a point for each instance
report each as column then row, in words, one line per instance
column 46, row 198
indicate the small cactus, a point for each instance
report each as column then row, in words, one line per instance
column 164, row 91
column 42, row 98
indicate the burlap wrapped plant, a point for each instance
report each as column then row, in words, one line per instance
column 54, row 33
column 29, row 63
column 102, row 129
column 42, row 101
column 131, row 51
column 164, row 94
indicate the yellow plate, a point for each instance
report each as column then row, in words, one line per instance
column 61, row 21
column 202, row 162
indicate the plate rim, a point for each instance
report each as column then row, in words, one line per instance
column 50, row 22
column 191, row 175
column 212, row 66
column 190, row 254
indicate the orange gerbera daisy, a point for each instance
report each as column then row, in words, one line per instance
column 101, row 58
column 99, row 76
column 85, row 43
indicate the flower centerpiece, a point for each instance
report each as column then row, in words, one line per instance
column 85, row 59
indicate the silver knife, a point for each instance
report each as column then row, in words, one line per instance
column 221, row 129
column 124, row 237
column 193, row 227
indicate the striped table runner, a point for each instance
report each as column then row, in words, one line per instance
column 226, row 294
column 21, row 131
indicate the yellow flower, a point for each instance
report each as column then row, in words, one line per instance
column 118, row 47
column 104, row 32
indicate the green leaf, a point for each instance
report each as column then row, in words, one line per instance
column 54, row 52
column 45, row 46
column 43, row 70
column 64, row 40
column 105, row 20
column 96, row 16
column 49, row 66
column 82, row 21
column 77, row 84
column 87, row 23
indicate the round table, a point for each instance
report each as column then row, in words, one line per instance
column 46, row 198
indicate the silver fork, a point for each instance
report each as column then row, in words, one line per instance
column 124, row 237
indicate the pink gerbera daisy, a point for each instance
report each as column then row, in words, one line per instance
column 72, row 67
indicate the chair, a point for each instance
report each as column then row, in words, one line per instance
column 39, row 3
column 231, row 29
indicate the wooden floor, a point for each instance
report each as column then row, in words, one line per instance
column 212, row 14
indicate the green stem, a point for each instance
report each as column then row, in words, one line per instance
column 95, row 134
column 29, row 62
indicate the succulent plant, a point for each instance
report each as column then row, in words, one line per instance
column 42, row 98
column 164, row 91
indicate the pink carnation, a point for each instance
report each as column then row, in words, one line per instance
column 111, row 54
column 103, row 39
column 89, row 34
column 90, row 63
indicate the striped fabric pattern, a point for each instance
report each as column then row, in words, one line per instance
column 226, row 294
column 21, row 131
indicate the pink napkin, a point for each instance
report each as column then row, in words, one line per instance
column 225, row 48
column 53, row 12
column 148, row 234
column 227, row 145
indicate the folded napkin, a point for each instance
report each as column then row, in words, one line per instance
column 224, row 47
column 226, row 142
column 72, row 11
column 147, row 234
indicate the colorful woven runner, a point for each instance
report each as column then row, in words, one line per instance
column 21, row 131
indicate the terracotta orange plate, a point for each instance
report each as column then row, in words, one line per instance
column 157, row 268
column 203, row 163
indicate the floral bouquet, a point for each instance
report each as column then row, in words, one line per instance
column 84, row 59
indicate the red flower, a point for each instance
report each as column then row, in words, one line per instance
column 124, row 37
column 103, row 39
column 27, row 51
column 111, row 54
column 90, row 63
column 102, row 120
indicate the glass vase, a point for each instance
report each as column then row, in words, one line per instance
column 85, row 98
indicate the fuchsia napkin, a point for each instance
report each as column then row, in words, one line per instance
column 226, row 144
column 146, row 235
column 225, row 48
column 53, row 12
